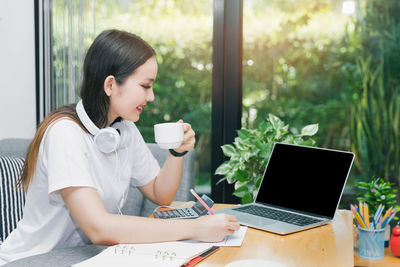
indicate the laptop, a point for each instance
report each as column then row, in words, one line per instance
column 300, row 189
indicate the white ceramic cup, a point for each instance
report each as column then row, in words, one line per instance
column 168, row 135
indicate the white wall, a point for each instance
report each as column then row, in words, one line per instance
column 17, row 69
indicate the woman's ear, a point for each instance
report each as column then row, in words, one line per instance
column 109, row 85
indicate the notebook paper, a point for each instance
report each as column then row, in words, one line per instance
column 155, row 254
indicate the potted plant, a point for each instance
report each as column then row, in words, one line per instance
column 377, row 192
column 250, row 153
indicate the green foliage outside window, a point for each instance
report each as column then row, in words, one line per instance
column 306, row 62
column 181, row 34
column 375, row 124
column 297, row 66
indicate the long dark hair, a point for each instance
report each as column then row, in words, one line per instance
column 113, row 52
column 116, row 53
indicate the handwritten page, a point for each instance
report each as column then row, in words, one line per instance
column 234, row 240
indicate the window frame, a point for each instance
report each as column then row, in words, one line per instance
column 227, row 88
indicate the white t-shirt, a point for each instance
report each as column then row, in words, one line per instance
column 68, row 157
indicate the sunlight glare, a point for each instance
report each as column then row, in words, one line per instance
column 348, row 7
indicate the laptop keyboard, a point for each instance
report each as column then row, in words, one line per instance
column 278, row 215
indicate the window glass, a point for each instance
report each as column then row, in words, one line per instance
column 297, row 65
column 329, row 62
column 294, row 66
column 72, row 28
column 181, row 34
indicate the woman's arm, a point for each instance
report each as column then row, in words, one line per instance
column 101, row 227
column 162, row 189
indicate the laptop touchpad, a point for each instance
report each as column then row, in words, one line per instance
column 255, row 220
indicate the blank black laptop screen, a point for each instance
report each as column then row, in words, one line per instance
column 304, row 178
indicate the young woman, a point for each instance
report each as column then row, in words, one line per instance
column 83, row 157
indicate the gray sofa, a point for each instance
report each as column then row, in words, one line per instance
column 136, row 204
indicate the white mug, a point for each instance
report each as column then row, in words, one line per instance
column 168, row 135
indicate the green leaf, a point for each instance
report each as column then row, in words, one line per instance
column 239, row 184
column 241, row 191
column 247, row 198
column 258, row 181
column 275, row 121
column 230, row 178
column 235, row 157
column 224, row 168
column 265, row 152
column 309, row 130
column 240, row 144
column 262, row 126
column 243, row 133
column 229, row 150
column 241, row 175
column 221, row 180
column 247, row 156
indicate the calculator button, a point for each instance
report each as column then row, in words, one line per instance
column 181, row 213
column 176, row 213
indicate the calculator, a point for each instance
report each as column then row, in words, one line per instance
column 186, row 213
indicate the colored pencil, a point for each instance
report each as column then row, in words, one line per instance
column 383, row 218
column 390, row 218
column 357, row 216
column 366, row 215
column 361, row 208
column 378, row 214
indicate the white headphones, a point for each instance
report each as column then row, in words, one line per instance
column 107, row 139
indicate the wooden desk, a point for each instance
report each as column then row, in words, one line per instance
column 388, row 261
column 328, row 245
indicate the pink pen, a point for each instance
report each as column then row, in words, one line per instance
column 201, row 201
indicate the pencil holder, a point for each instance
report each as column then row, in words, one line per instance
column 372, row 243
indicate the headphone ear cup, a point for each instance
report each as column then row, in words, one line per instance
column 123, row 133
column 107, row 140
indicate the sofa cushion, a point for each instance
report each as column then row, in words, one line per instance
column 12, row 197
column 14, row 147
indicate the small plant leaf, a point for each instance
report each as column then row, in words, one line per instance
column 228, row 150
column 243, row 133
column 262, row 126
column 241, row 175
column 239, row 184
column 258, row 182
column 224, row 168
column 275, row 121
column 247, row 198
column 221, row 180
column 241, row 191
column 309, row 130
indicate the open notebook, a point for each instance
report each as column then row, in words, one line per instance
column 154, row 254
